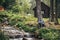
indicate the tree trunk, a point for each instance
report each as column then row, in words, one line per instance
column 51, row 11
column 39, row 15
column 55, row 10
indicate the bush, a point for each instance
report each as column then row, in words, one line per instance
column 15, row 19
column 49, row 34
column 3, row 15
column 3, row 37
column 30, row 29
column 20, row 24
column 26, row 28
column 33, row 29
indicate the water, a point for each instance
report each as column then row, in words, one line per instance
column 13, row 31
column 16, row 39
column 26, row 38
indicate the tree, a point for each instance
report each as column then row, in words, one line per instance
column 51, row 11
column 2, row 1
column 55, row 10
column 22, row 6
column 8, row 3
column 39, row 15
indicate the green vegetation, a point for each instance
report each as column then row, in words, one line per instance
column 24, row 22
column 18, row 19
column 59, row 20
column 19, row 13
column 29, row 29
column 3, row 37
column 47, row 2
column 49, row 34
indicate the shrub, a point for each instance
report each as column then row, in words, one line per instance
column 26, row 28
column 3, row 37
column 20, row 24
column 19, row 20
column 3, row 15
column 29, row 29
column 33, row 29
column 49, row 34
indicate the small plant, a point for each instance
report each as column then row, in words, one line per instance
column 33, row 29
column 3, row 37
column 49, row 34
column 20, row 24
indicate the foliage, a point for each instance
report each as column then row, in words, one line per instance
column 3, row 37
column 59, row 20
column 2, row 1
column 49, row 34
column 27, row 28
column 8, row 4
column 24, row 19
column 47, row 2
column 15, row 19
column 22, row 6
column 33, row 29
column 17, row 5
column 3, row 15
column 17, row 8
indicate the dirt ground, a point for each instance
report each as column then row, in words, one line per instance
column 52, row 25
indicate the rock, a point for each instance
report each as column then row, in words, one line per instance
column 24, row 39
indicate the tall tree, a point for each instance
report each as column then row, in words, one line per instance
column 39, row 14
column 55, row 11
column 51, row 11
column 2, row 1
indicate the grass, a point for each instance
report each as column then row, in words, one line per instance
column 46, row 19
column 52, row 25
column 59, row 20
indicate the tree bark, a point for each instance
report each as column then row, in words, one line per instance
column 51, row 11
column 39, row 15
column 56, row 14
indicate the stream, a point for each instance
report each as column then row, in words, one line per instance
column 26, row 38
column 16, row 34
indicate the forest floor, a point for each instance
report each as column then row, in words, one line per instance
column 51, row 24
